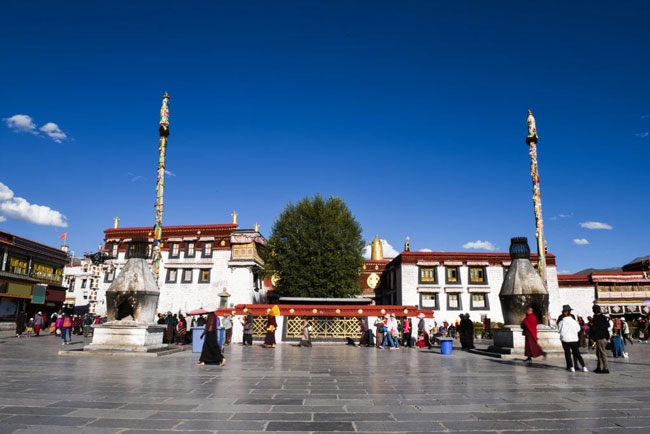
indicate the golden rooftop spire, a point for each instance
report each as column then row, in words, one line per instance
column 376, row 250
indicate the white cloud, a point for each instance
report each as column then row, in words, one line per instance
column 53, row 132
column 25, row 124
column 479, row 245
column 389, row 251
column 169, row 173
column 3, row 218
column 643, row 135
column 425, row 250
column 596, row 225
column 21, row 124
column 561, row 216
column 581, row 241
column 20, row 209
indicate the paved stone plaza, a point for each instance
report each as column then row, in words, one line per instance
column 325, row 388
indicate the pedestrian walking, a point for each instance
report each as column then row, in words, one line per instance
column 211, row 353
column 466, row 332
column 38, row 323
column 66, row 329
column 406, row 332
column 248, row 324
column 626, row 331
column 379, row 331
column 271, row 326
column 529, row 325
column 569, row 335
column 306, row 334
column 423, row 336
column 227, row 325
column 182, row 330
column 87, row 322
column 21, row 321
column 363, row 328
column 169, row 329
column 600, row 334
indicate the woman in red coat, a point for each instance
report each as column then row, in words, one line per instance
column 532, row 348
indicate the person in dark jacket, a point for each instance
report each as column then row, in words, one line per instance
column 21, row 320
column 466, row 331
column 600, row 334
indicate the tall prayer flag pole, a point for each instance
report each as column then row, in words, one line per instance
column 160, row 184
column 531, row 140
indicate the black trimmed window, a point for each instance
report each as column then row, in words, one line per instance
column 454, row 301
column 83, row 283
column 71, row 285
column 452, row 275
column 427, row 275
column 190, row 249
column 477, row 276
column 114, row 250
column 187, row 275
column 149, row 250
column 206, row 251
column 204, row 275
column 172, row 275
column 479, row 301
column 109, row 276
column 429, row 300
column 174, row 250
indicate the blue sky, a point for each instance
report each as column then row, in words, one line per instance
column 413, row 112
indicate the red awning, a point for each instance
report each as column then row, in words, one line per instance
column 55, row 295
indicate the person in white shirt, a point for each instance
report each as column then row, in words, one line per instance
column 569, row 329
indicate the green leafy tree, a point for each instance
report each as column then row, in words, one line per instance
column 316, row 250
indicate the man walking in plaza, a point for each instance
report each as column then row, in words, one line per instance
column 21, row 320
column 227, row 324
column 600, row 334
column 87, row 321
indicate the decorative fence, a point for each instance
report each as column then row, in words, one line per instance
column 323, row 327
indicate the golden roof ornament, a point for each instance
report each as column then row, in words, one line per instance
column 407, row 244
column 234, row 217
column 376, row 250
column 116, row 222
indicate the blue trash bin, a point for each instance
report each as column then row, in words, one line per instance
column 197, row 340
column 221, row 337
column 446, row 346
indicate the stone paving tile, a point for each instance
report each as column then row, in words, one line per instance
column 47, row 420
column 67, row 430
column 133, row 423
column 401, row 426
column 9, row 428
column 256, row 401
column 571, row 423
column 169, row 407
column 485, row 425
column 272, row 416
column 31, row 410
column 86, row 404
column 310, row 426
column 436, row 417
column 352, row 417
column 190, row 415
column 233, row 425
column 112, row 413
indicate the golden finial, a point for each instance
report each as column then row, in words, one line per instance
column 407, row 244
column 376, row 250
column 234, row 217
column 256, row 227
column 116, row 222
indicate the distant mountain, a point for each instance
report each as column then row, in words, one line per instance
column 639, row 259
column 591, row 270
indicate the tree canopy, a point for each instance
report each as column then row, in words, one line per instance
column 316, row 249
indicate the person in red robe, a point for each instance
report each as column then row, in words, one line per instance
column 532, row 348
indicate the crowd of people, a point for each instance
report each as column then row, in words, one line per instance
column 598, row 332
column 59, row 323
